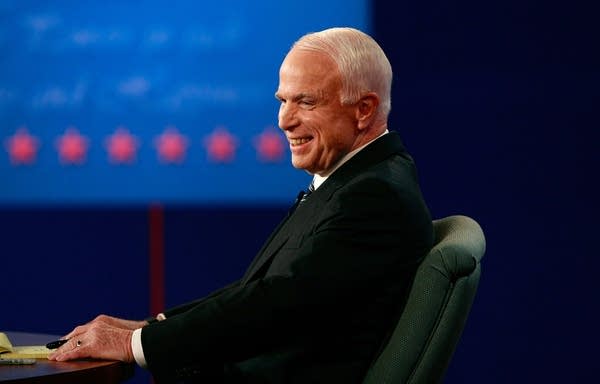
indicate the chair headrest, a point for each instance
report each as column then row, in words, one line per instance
column 459, row 246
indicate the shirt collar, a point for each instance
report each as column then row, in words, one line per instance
column 320, row 179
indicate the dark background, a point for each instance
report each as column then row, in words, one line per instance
column 497, row 103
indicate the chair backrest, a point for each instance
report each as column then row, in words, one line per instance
column 421, row 346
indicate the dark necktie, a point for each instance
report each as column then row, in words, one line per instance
column 311, row 189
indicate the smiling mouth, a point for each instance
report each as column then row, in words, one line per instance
column 300, row 141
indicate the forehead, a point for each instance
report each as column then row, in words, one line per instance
column 305, row 70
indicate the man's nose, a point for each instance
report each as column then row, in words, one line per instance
column 287, row 117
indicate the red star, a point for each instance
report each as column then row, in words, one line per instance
column 122, row 146
column 22, row 147
column 269, row 145
column 221, row 145
column 171, row 146
column 72, row 147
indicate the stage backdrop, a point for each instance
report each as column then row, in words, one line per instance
column 134, row 102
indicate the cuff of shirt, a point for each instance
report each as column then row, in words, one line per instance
column 159, row 317
column 136, row 347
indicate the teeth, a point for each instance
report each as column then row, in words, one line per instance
column 299, row 141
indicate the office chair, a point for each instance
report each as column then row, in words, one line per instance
column 423, row 341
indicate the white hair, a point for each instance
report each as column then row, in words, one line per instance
column 362, row 63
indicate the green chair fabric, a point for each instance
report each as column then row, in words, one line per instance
column 421, row 346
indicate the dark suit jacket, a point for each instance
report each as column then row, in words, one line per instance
column 321, row 295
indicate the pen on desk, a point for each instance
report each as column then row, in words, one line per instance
column 16, row 361
column 56, row 344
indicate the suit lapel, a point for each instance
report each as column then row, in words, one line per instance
column 294, row 221
column 377, row 151
column 273, row 243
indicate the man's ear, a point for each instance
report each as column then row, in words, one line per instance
column 366, row 108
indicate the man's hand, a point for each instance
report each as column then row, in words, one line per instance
column 105, row 337
column 108, row 320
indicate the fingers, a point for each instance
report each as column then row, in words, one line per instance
column 72, row 349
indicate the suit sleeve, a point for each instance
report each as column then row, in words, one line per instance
column 189, row 305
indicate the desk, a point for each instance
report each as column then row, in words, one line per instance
column 45, row 371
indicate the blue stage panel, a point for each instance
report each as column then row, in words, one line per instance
column 121, row 102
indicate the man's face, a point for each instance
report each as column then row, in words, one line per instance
column 320, row 130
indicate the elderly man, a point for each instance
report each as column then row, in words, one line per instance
column 322, row 294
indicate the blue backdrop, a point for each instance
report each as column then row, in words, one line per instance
column 133, row 102
column 496, row 101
